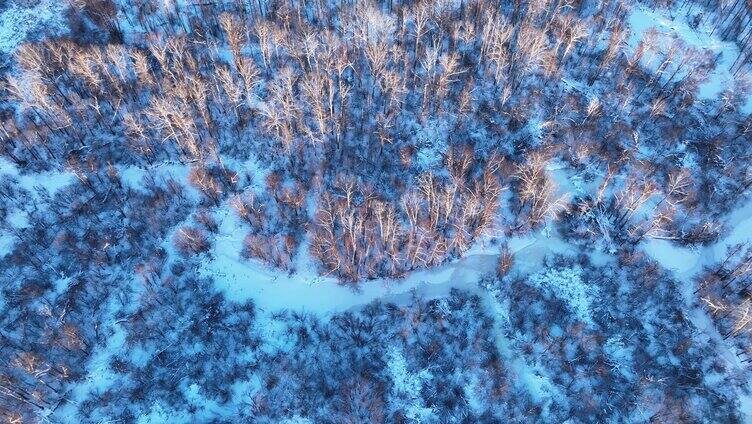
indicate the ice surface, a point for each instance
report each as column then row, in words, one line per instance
column 671, row 256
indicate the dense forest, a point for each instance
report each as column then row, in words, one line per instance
column 360, row 212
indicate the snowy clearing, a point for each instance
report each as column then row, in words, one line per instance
column 51, row 181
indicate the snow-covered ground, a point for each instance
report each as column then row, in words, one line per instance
column 642, row 19
column 19, row 22
column 686, row 263
column 49, row 182
column 99, row 376
column 305, row 290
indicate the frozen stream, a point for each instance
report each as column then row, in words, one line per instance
column 306, row 291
